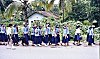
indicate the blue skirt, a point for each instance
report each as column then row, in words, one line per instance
column 58, row 38
column 40, row 39
column 90, row 39
column 75, row 38
column 37, row 40
column 32, row 38
column 26, row 38
column 54, row 40
column 15, row 38
column 78, row 37
column 68, row 37
column 65, row 40
column 46, row 39
column 3, row 37
column 49, row 37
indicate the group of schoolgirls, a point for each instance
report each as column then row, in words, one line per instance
column 90, row 35
column 9, row 35
column 42, row 37
column 49, row 38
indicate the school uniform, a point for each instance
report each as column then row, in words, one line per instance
column 15, row 37
column 49, row 34
column 3, row 34
column 40, row 36
column 9, row 30
column 78, row 33
column 33, row 34
column 37, row 36
column 90, row 39
column 64, row 38
column 54, row 37
column 58, row 36
column 26, row 31
column 67, row 29
column 46, row 38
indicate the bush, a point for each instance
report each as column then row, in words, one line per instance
column 86, row 22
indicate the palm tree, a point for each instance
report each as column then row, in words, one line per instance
column 46, row 4
column 16, row 7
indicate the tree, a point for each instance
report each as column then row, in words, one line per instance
column 65, row 7
column 46, row 4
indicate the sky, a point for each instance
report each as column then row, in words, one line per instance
column 56, row 1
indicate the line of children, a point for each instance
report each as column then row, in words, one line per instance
column 37, row 37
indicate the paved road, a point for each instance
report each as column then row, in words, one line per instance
column 71, row 52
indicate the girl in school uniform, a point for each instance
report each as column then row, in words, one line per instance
column 75, row 37
column 3, row 34
column 15, row 37
column 78, row 34
column 49, row 34
column 25, row 33
column 40, row 35
column 90, row 37
column 9, row 37
column 68, row 34
column 46, row 39
column 9, row 30
column 33, row 34
column 57, row 33
column 64, row 38
column 54, row 40
column 37, row 37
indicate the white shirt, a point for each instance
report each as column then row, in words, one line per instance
column 46, row 31
column 36, row 32
column 25, row 30
column 54, row 33
column 49, row 30
column 91, row 32
column 64, row 32
column 67, row 30
column 15, row 30
column 77, row 31
column 3, row 30
column 8, row 31
column 32, row 31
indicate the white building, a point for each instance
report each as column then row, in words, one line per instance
column 39, row 15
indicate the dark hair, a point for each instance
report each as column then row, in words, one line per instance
column 9, row 25
column 77, row 26
column 90, row 27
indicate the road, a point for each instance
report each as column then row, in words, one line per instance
column 71, row 52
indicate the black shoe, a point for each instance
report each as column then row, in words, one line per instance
column 89, row 44
column 74, row 43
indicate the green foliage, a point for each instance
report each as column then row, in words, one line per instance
column 97, row 33
column 86, row 22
